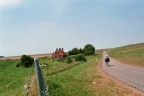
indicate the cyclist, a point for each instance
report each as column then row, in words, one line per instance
column 107, row 60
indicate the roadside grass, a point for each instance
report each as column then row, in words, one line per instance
column 12, row 79
column 84, row 80
column 130, row 54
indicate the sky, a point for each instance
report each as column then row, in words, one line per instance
column 37, row 27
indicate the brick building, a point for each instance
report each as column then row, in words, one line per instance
column 59, row 53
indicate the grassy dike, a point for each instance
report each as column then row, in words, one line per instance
column 84, row 80
column 130, row 54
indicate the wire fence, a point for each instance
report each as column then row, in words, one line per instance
column 42, row 86
column 41, row 83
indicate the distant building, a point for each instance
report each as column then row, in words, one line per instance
column 59, row 53
column 1, row 56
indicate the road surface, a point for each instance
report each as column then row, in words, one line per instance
column 133, row 76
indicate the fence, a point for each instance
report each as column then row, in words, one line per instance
column 41, row 83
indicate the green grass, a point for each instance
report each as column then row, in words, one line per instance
column 71, row 82
column 83, row 80
column 12, row 79
column 54, row 66
column 77, row 79
column 130, row 54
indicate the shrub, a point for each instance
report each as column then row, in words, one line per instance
column 18, row 65
column 26, row 61
column 80, row 57
column 69, row 60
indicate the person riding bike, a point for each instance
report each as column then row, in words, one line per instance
column 107, row 60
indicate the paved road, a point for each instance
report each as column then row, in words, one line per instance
column 131, row 75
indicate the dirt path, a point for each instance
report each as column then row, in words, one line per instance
column 131, row 75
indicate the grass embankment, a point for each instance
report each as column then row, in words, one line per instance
column 54, row 66
column 83, row 80
column 12, row 79
column 131, row 54
column 78, row 79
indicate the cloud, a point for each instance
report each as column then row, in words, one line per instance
column 10, row 3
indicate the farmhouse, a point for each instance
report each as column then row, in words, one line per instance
column 59, row 53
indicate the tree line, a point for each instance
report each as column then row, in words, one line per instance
column 79, row 55
column 87, row 50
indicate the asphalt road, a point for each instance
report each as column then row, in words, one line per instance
column 133, row 76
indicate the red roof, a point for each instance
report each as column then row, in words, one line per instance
column 59, row 53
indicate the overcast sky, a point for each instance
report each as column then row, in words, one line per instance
column 41, row 26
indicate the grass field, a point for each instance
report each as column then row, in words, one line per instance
column 77, row 79
column 12, row 79
column 131, row 54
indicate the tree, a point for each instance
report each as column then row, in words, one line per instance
column 74, row 51
column 89, row 49
column 26, row 61
column 81, row 51
column 80, row 57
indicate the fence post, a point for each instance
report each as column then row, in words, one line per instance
column 36, row 61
